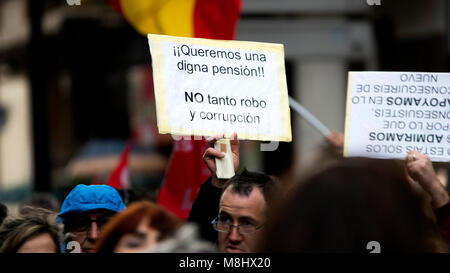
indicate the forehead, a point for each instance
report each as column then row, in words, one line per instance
column 144, row 224
column 39, row 243
column 239, row 205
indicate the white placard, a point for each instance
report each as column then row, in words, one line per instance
column 208, row 87
column 391, row 113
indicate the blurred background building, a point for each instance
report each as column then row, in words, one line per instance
column 76, row 83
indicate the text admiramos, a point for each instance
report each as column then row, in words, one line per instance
column 407, row 137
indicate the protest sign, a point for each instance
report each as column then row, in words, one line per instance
column 207, row 87
column 391, row 113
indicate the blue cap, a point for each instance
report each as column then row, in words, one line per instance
column 84, row 198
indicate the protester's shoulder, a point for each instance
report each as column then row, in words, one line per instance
column 207, row 186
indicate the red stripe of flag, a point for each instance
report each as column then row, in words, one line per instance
column 216, row 19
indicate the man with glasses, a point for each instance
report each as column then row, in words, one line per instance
column 86, row 210
column 242, row 211
column 239, row 204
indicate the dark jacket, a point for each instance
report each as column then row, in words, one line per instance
column 205, row 209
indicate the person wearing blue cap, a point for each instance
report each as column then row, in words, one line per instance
column 86, row 210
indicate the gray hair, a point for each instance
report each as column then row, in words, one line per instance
column 16, row 230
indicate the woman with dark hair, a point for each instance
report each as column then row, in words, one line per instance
column 347, row 207
column 138, row 228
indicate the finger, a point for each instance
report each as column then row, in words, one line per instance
column 413, row 171
column 212, row 153
column 418, row 156
column 412, row 152
column 233, row 137
column 412, row 165
column 234, row 142
column 411, row 157
column 408, row 177
column 210, row 141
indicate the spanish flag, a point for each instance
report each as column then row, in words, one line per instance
column 213, row 19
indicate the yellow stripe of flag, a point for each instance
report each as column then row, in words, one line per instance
column 170, row 17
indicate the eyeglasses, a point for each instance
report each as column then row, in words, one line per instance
column 225, row 226
column 83, row 224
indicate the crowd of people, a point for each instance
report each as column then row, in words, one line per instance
column 401, row 206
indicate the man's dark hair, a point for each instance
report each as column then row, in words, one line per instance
column 246, row 181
